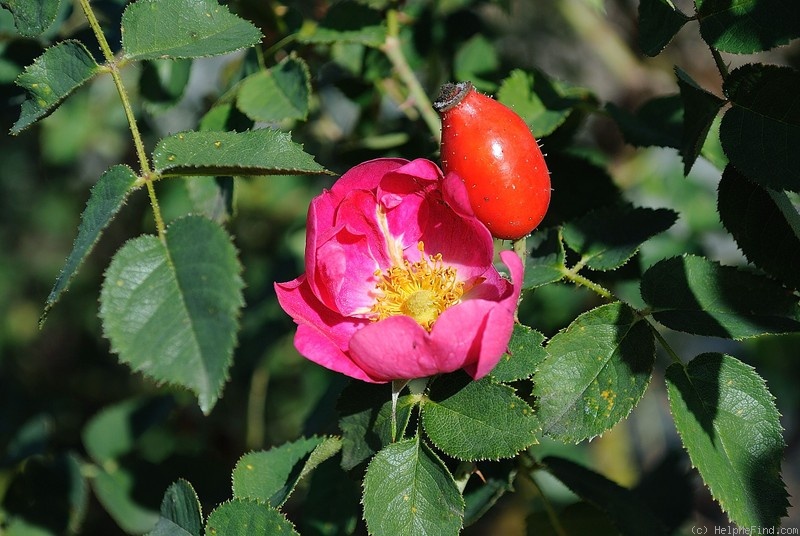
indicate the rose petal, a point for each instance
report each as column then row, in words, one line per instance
column 365, row 176
column 396, row 348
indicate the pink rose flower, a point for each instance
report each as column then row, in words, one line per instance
column 399, row 280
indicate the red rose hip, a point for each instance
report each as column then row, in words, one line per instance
column 494, row 152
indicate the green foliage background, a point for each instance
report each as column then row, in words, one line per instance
column 598, row 84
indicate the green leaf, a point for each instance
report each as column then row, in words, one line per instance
column 51, row 78
column 181, row 514
column 115, row 491
column 525, row 352
column 257, row 152
column 658, row 122
column 728, row 422
column 150, row 30
column 271, row 476
column 544, row 260
column 700, row 108
column 409, row 492
column 114, row 431
column 696, row 295
column 580, row 186
column 106, row 199
column 608, row 237
column 761, row 130
column 32, row 18
column 365, row 412
column 170, row 307
column 246, row 518
column 276, row 94
column 747, row 26
column 597, row 370
column 347, row 22
column 477, row 421
column 764, row 223
column 476, row 57
column 627, row 512
column 659, row 21
column 163, row 82
column 544, row 104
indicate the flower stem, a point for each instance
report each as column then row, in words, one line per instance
column 112, row 67
column 391, row 47
column 552, row 516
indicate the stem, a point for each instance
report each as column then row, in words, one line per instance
column 665, row 345
column 551, row 513
column 520, row 248
column 113, row 67
column 578, row 279
column 391, row 47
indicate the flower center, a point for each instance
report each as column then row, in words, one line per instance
column 421, row 290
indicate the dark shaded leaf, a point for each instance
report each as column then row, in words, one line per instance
column 659, row 21
column 764, row 223
column 699, row 110
column 696, row 295
column 761, row 131
column 747, row 26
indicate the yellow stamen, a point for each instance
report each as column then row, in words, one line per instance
column 421, row 290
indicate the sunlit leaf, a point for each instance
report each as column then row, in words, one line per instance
column 478, row 420
column 408, row 491
column 525, row 352
column 150, row 29
column 107, row 197
column 241, row 517
column 728, row 422
column 596, row 371
column 51, row 78
column 257, row 152
column 270, row 476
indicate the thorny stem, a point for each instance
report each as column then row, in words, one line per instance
column 391, row 47
column 112, row 67
column 573, row 276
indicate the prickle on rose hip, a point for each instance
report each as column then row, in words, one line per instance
column 494, row 152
